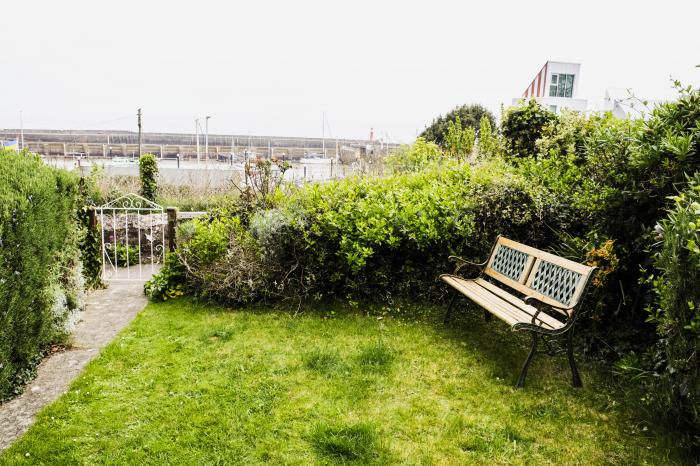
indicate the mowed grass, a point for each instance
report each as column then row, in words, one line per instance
column 187, row 383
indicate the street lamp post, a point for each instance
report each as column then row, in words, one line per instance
column 196, row 132
column 206, row 138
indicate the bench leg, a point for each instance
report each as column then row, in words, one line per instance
column 448, row 312
column 487, row 316
column 576, row 378
column 523, row 372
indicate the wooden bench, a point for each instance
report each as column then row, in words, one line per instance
column 530, row 290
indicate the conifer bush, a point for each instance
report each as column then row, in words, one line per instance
column 39, row 258
column 148, row 174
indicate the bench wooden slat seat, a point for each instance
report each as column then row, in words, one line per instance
column 501, row 304
column 528, row 289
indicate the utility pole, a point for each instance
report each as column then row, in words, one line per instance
column 138, row 114
column 206, row 138
column 196, row 132
column 21, row 130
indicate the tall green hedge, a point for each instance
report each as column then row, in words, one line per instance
column 676, row 312
column 40, row 281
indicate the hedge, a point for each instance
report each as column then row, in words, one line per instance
column 40, row 272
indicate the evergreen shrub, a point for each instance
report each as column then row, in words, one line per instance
column 40, row 280
column 675, row 387
column 148, row 174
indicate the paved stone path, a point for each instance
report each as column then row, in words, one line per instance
column 107, row 312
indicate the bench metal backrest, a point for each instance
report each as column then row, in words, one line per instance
column 551, row 279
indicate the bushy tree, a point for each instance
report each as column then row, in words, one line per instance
column 523, row 125
column 469, row 116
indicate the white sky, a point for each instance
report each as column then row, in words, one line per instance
column 273, row 67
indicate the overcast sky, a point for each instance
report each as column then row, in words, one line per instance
column 274, row 67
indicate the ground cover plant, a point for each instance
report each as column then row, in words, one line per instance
column 190, row 383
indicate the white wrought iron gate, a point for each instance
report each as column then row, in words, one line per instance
column 133, row 231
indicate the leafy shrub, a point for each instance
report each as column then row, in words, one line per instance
column 216, row 259
column 414, row 157
column 488, row 142
column 564, row 135
column 676, row 312
column 39, row 288
column 469, row 116
column 459, row 141
column 126, row 254
column 148, row 174
column 523, row 125
column 169, row 282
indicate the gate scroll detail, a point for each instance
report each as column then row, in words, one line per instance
column 133, row 232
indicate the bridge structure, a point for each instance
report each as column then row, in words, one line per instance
column 107, row 144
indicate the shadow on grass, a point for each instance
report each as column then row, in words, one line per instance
column 549, row 378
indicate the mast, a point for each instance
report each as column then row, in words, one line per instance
column 323, row 138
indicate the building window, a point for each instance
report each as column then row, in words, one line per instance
column 553, row 108
column 561, row 85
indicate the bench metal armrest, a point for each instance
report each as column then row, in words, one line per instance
column 539, row 304
column 463, row 262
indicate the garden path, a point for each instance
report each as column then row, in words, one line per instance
column 106, row 313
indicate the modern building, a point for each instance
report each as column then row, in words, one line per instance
column 555, row 87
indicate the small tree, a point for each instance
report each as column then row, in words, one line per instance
column 469, row 116
column 148, row 172
column 459, row 140
column 264, row 179
column 488, row 142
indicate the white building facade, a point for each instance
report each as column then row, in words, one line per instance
column 555, row 87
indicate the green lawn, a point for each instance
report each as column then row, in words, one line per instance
column 194, row 384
